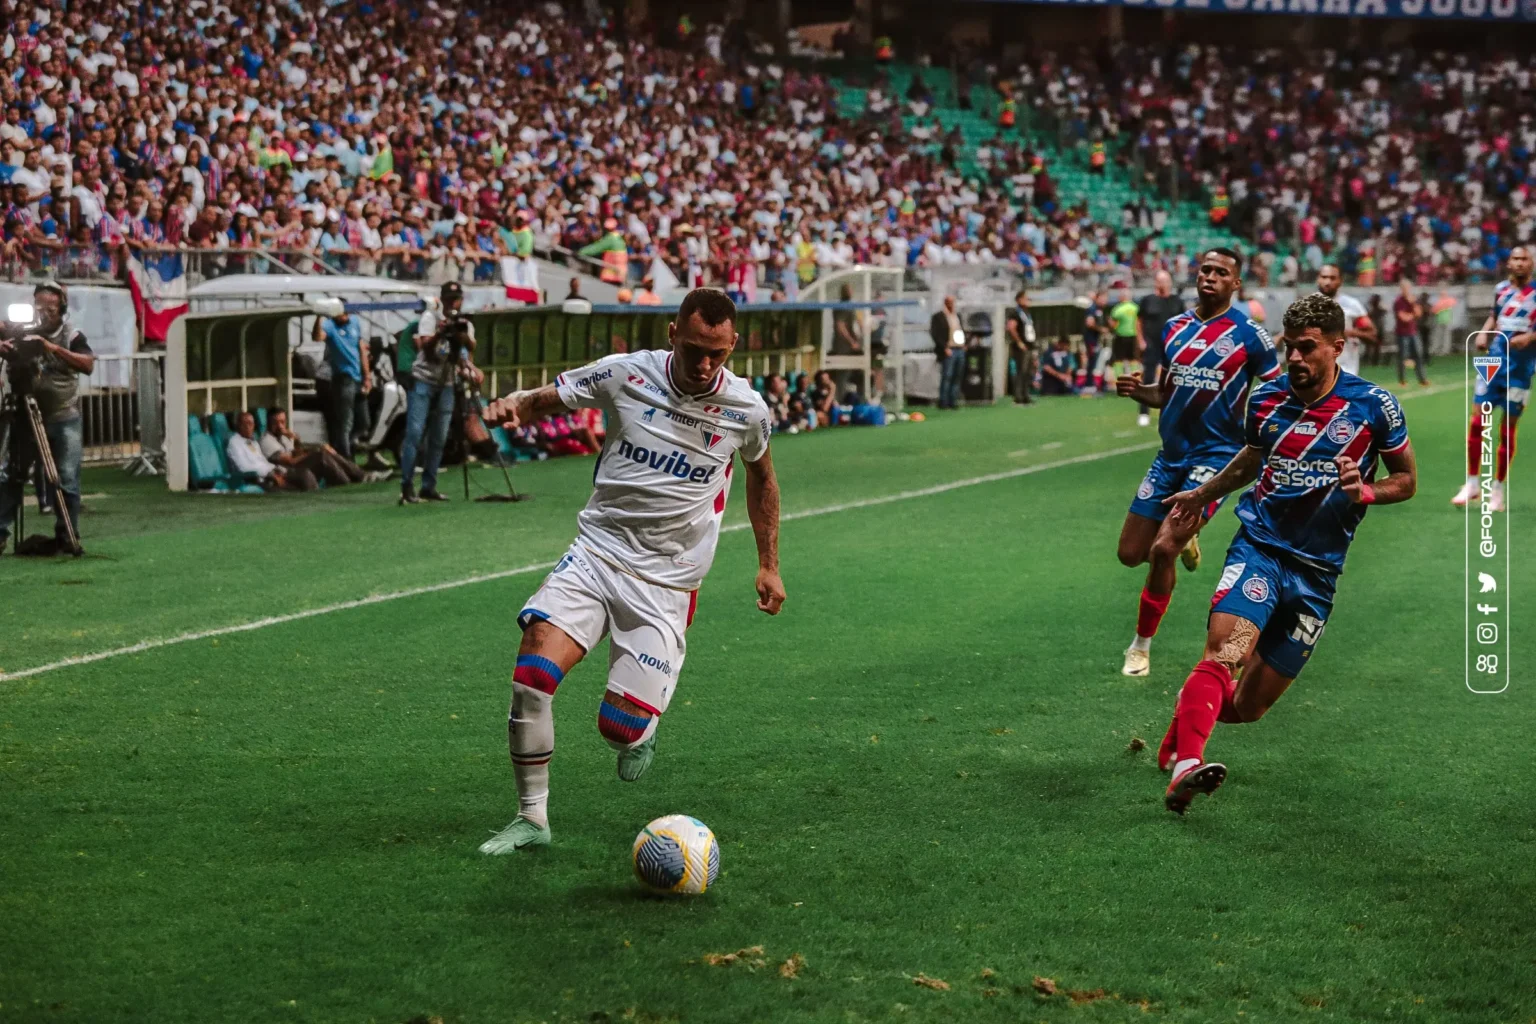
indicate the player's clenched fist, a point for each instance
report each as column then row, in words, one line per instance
column 506, row 412
column 1127, row 383
column 1350, row 481
column 770, row 591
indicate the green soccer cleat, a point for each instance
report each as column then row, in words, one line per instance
column 634, row 761
column 520, row 835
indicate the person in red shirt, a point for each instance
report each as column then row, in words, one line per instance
column 1405, row 315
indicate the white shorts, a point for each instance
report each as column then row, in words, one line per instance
column 587, row 598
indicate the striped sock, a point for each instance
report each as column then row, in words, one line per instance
column 531, row 733
column 621, row 728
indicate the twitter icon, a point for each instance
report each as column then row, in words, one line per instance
column 1487, row 582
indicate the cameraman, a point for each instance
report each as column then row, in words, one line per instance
column 445, row 345
column 52, row 377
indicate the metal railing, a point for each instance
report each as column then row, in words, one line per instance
column 122, row 411
column 92, row 264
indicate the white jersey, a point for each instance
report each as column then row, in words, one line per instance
column 1349, row 359
column 660, row 485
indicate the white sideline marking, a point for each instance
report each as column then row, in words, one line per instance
column 1052, row 446
column 396, row 595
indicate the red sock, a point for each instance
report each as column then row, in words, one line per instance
column 1168, row 747
column 1200, row 702
column 1150, row 615
column 1507, row 428
column 1474, row 444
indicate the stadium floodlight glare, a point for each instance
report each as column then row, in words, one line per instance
column 576, row 307
column 20, row 313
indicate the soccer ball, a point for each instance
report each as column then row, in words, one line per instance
column 677, row 854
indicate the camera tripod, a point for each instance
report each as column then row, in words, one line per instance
column 20, row 467
column 474, row 408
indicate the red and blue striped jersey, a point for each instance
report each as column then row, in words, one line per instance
column 1514, row 308
column 1296, row 505
column 1207, row 367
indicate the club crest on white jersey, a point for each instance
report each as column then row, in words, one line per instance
column 661, row 482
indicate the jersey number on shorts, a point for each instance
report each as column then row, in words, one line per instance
column 1201, row 474
column 1308, row 629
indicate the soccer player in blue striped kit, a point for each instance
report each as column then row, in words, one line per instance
column 1212, row 355
column 1315, row 439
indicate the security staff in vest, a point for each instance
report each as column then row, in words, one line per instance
column 50, row 373
column 445, row 346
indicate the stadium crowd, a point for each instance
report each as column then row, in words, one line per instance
column 424, row 141
column 1392, row 164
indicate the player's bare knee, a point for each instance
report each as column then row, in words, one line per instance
column 1166, row 548
column 623, row 722
column 1131, row 553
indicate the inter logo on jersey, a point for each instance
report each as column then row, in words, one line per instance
column 1487, row 366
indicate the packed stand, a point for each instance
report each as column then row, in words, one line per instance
column 1395, row 164
column 424, row 142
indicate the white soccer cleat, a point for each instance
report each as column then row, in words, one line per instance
column 1143, row 420
column 1137, row 663
column 1467, row 493
column 519, row 835
column 1496, row 498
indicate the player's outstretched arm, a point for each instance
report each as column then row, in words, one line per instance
column 1241, row 471
column 521, row 407
column 763, row 511
column 1401, row 482
column 1129, row 385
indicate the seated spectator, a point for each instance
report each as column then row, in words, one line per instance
column 1058, row 368
column 283, row 448
column 823, row 401
column 563, row 434
column 776, row 394
column 245, row 457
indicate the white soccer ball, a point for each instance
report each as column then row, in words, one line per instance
column 677, row 854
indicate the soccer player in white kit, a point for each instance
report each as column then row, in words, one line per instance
column 644, row 542
column 1357, row 325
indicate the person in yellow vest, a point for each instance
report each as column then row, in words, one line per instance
column 1219, row 204
column 1097, row 157
column 805, row 260
column 885, row 52
column 522, row 237
column 1007, row 114
column 613, row 251
column 1365, row 270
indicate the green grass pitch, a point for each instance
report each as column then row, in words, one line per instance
column 919, row 771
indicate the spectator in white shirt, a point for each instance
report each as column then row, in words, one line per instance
column 282, row 447
column 245, row 457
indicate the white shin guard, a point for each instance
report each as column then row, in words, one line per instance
column 531, row 740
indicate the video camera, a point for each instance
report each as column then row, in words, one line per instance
column 21, row 346
column 455, row 331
